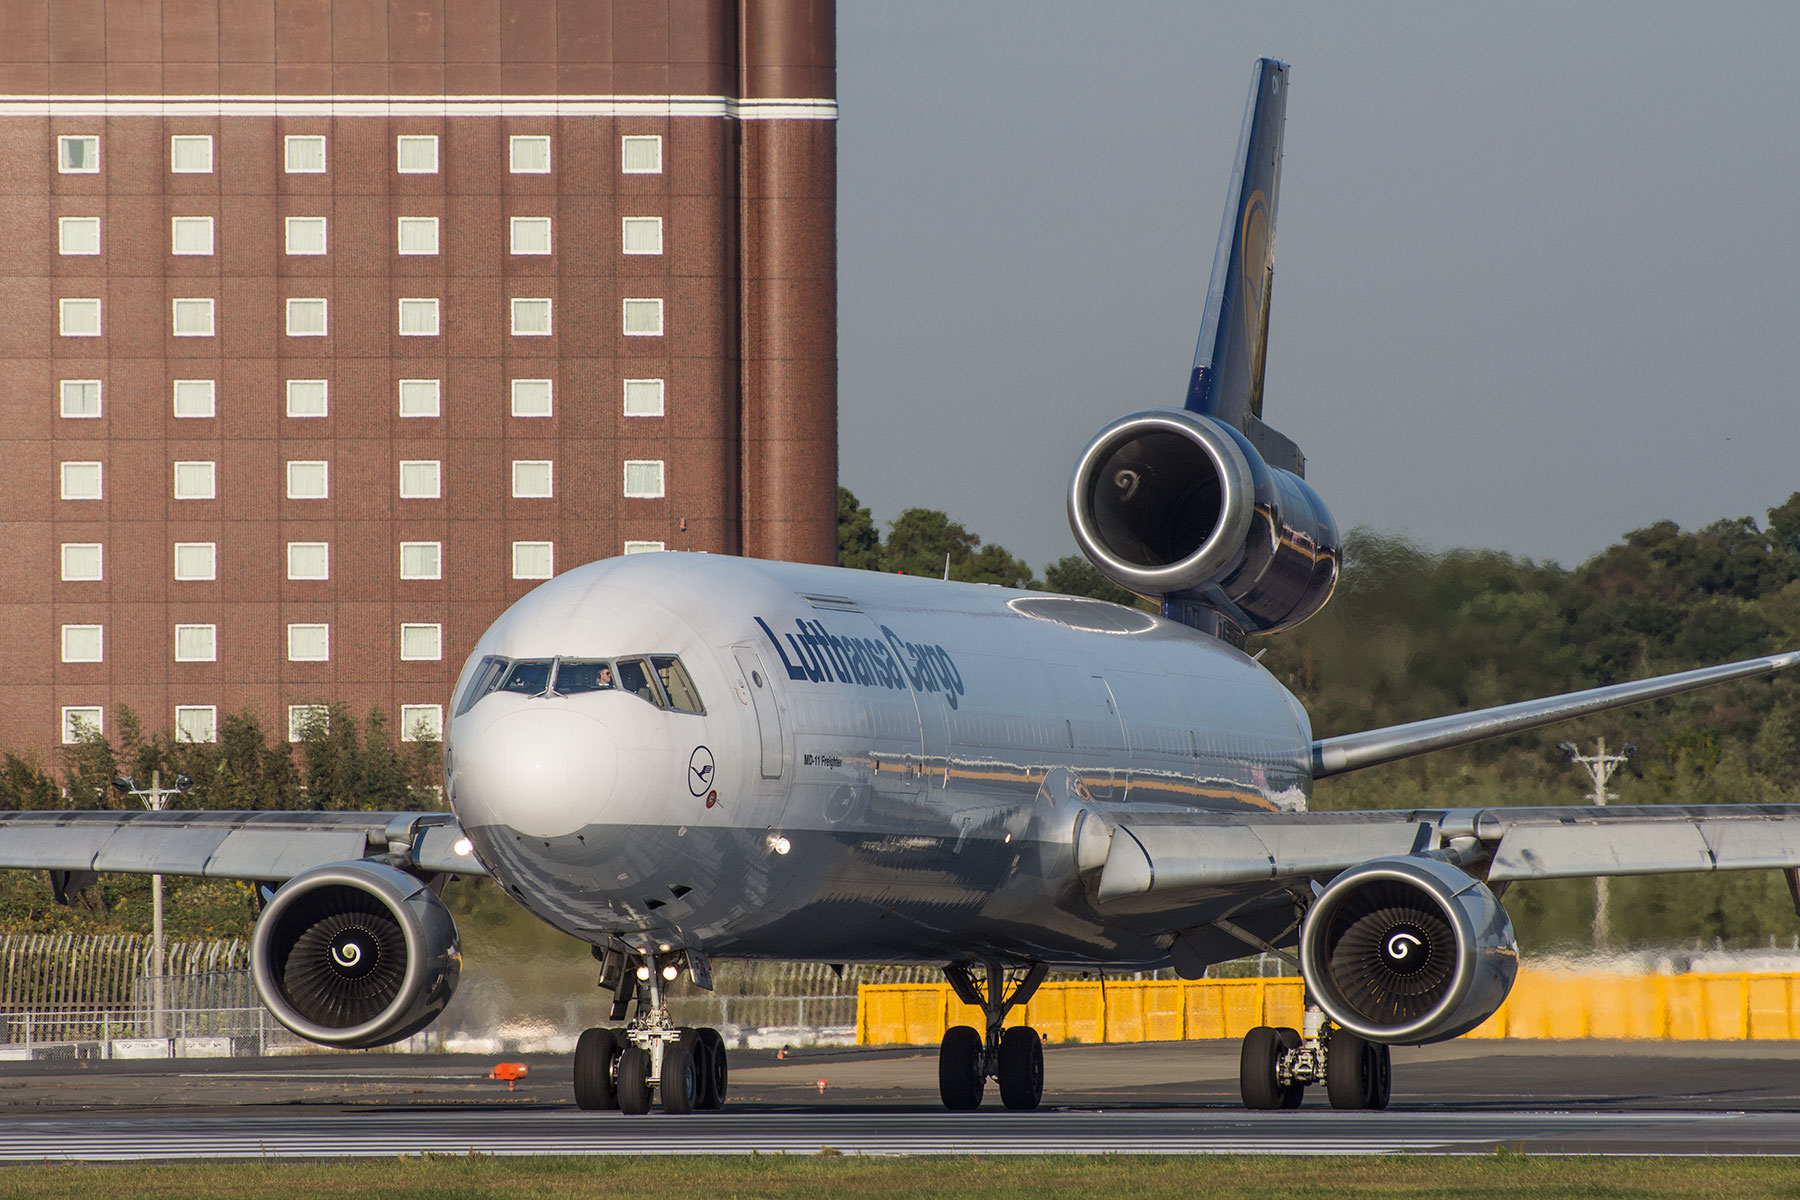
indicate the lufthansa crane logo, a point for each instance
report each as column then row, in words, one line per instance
column 700, row 771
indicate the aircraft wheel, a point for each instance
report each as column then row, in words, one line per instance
column 682, row 1085
column 960, row 1077
column 634, row 1080
column 715, row 1075
column 1258, row 1082
column 596, row 1054
column 1021, row 1068
column 1359, row 1074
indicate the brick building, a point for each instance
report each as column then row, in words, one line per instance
column 332, row 326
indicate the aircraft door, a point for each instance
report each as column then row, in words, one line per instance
column 768, row 713
column 1109, row 738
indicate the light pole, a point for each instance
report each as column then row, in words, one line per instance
column 1600, row 767
column 154, row 798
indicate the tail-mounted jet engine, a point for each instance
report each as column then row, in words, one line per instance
column 355, row 954
column 1176, row 505
column 1408, row 951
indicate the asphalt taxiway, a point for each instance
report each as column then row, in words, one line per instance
column 1465, row 1097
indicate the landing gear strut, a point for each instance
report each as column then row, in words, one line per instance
column 1278, row 1064
column 967, row 1059
column 650, row 1058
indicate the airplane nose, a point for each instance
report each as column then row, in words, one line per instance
column 541, row 771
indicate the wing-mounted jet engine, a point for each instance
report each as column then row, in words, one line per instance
column 355, row 954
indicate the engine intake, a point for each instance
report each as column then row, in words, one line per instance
column 1171, row 503
column 1408, row 951
column 355, row 954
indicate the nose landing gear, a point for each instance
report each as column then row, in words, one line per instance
column 967, row 1059
column 650, row 1058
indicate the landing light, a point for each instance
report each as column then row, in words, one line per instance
column 780, row 845
column 643, row 972
column 463, row 846
column 670, row 972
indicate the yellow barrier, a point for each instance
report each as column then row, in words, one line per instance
column 1542, row 1005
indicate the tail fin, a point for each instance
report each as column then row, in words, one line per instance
column 1227, row 383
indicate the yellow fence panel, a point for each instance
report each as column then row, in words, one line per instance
column 1542, row 1005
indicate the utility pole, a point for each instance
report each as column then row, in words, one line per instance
column 154, row 798
column 1600, row 767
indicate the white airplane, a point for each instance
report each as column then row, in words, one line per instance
column 680, row 757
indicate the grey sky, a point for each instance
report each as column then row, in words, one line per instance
column 1537, row 272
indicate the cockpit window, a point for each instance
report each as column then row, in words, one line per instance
column 676, row 684
column 634, row 677
column 574, row 676
column 529, row 677
column 486, row 678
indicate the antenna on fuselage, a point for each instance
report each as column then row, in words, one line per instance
column 946, row 566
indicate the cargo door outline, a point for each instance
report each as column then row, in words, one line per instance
column 770, row 734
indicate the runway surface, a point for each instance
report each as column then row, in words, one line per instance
column 1465, row 1098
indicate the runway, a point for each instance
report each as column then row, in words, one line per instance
column 1174, row 1098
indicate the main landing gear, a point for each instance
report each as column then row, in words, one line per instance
column 650, row 1057
column 1279, row 1063
column 967, row 1059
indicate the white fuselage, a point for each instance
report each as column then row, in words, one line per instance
column 885, row 768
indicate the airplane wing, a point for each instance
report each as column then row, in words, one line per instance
column 269, row 847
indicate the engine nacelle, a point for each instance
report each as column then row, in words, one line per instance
column 1169, row 503
column 1408, row 951
column 355, row 954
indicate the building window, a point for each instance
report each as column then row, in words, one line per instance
column 418, row 155
column 195, row 397
column 418, row 235
column 643, row 318
column 643, row 235
column 309, row 643
column 193, row 318
column 421, row 722
column 308, row 721
column 534, row 560
column 196, row 723
column 421, row 643
column 306, row 318
column 642, row 547
column 83, row 721
column 531, row 235
column 196, row 643
column 78, row 235
column 418, row 318
column 531, row 318
column 309, row 560
column 81, row 561
column 306, row 397
column 196, row 561
column 530, row 155
column 305, row 235
column 640, row 154
column 196, row 481
column 305, row 155
column 83, row 643
column 190, row 235
column 420, row 397
column 643, row 478
column 421, row 560
column 191, row 154
column 308, row 480
column 77, row 154
column 81, row 481
column 79, row 318
column 81, row 397
column 421, row 479
column 531, row 397
column 531, row 479
column 643, row 397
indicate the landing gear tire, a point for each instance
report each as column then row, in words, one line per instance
column 1021, row 1068
column 683, row 1074
column 1359, row 1074
column 634, row 1080
column 715, row 1075
column 596, row 1054
column 1258, row 1080
column 960, row 1077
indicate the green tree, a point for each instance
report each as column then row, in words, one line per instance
column 859, row 542
column 1074, row 575
column 921, row 540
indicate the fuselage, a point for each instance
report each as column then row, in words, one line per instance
column 759, row 759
